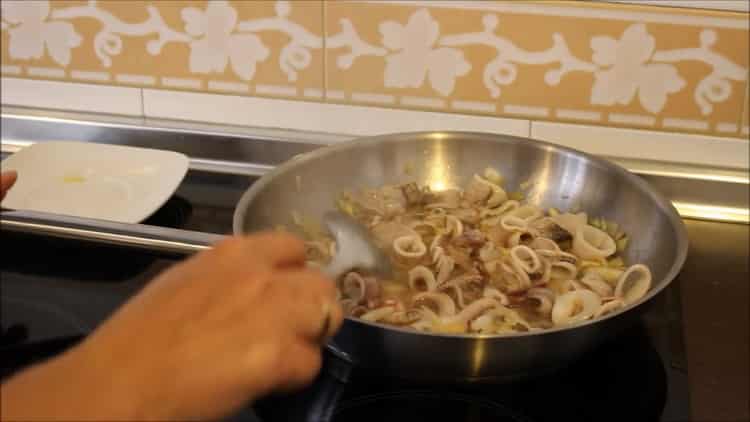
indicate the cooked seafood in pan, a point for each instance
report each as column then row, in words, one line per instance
column 482, row 260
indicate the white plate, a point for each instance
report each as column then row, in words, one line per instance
column 84, row 179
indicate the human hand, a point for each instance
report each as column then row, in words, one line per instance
column 7, row 179
column 226, row 326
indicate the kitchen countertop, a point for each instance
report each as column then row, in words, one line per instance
column 715, row 311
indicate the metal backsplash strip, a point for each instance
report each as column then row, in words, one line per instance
column 713, row 194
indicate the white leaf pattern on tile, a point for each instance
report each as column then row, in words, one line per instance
column 416, row 57
column 30, row 32
column 502, row 70
column 108, row 43
column 245, row 51
column 715, row 87
column 624, row 70
column 415, row 51
column 214, row 44
column 205, row 30
column 295, row 55
column 283, row 8
column 348, row 37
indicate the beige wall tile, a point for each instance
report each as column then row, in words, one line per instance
column 635, row 66
column 250, row 47
column 116, row 100
column 616, row 65
column 647, row 145
column 335, row 119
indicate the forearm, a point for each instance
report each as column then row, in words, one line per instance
column 63, row 388
column 202, row 340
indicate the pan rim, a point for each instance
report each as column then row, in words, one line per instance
column 662, row 203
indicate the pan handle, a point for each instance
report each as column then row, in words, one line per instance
column 139, row 236
column 318, row 401
column 330, row 385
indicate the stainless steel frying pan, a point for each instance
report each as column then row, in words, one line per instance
column 558, row 177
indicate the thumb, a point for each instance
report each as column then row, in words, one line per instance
column 7, row 179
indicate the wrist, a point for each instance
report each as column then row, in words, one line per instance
column 71, row 386
column 103, row 383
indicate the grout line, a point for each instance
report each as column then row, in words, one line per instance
column 558, row 11
column 715, row 5
column 745, row 111
column 323, row 25
column 143, row 103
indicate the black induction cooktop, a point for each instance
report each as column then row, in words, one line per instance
column 625, row 379
column 56, row 291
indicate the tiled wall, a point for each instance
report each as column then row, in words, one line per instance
column 631, row 66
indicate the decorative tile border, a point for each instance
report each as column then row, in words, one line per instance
column 620, row 76
column 179, row 45
column 630, row 66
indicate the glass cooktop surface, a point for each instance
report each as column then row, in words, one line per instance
column 55, row 291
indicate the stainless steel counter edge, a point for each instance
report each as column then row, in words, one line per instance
column 138, row 236
column 708, row 193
